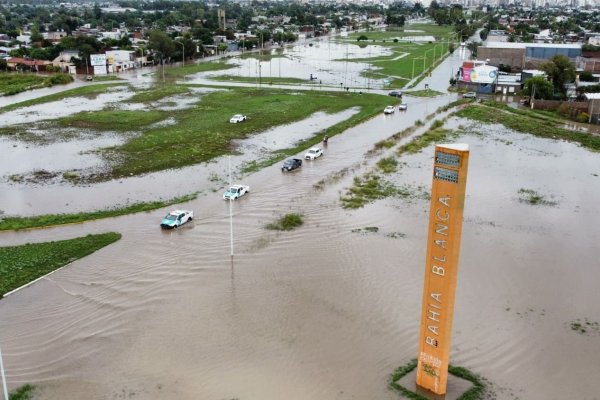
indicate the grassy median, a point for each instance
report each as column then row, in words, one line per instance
column 20, row 265
column 39, row 221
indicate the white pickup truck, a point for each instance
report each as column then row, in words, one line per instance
column 236, row 191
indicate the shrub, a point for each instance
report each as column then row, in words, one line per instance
column 286, row 223
column 583, row 117
column 362, row 37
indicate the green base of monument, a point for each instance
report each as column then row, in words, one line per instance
column 473, row 387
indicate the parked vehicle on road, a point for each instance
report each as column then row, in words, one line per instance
column 237, row 118
column 389, row 110
column 395, row 93
column 469, row 95
column 291, row 164
column 176, row 218
column 235, row 192
column 313, row 153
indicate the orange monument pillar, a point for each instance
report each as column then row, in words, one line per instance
column 441, row 266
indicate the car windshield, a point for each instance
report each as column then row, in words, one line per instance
column 233, row 190
column 171, row 217
column 312, row 151
column 288, row 162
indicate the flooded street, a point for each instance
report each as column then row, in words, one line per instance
column 326, row 311
column 57, row 197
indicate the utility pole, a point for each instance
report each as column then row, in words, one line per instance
column 4, row 387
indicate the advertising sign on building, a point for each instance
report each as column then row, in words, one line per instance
column 99, row 69
column 483, row 74
column 97, row 59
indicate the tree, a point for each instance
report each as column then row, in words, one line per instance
column 36, row 36
column 539, row 87
column 560, row 71
column 161, row 43
column 472, row 46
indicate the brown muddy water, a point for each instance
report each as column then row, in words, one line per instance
column 323, row 312
column 58, row 196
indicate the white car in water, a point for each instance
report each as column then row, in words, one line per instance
column 237, row 118
column 313, row 153
column 176, row 218
column 389, row 110
column 235, row 192
column 403, row 107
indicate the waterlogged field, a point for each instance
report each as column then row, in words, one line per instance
column 409, row 59
column 198, row 132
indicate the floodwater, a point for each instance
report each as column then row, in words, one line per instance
column 323, row 312
column 64, row 107
column 330, row 61
column 23, row 158
column 58, row 197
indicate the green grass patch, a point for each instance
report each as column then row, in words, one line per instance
column 203, row 132
column 367, row 189
column 264, row 56
column 286, row 223
column 12, row 83
column 424, row 93
column 106, row 78
column 478, row 391
column 263, row 81
column 18, row 223
column 158, row 92
column 113, row 120
column 434, row 135
column 387, row 165
column 24, row 392
column 189, row 69
column 86, row 91
column 528, row 122
column 20, row 265
column 420, row 57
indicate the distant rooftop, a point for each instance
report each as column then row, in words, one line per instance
column 510, row 45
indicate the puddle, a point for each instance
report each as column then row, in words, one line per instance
column 287, row 136
column 23, row 158
column 65, row 107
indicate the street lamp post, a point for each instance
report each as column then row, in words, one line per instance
column 413, row 68
column 182, row 51
column 425, row 58
column 440, row 51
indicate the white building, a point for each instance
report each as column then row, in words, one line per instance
column 120, row 60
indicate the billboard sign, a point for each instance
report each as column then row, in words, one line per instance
column 483, row 74
column 97, row 59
